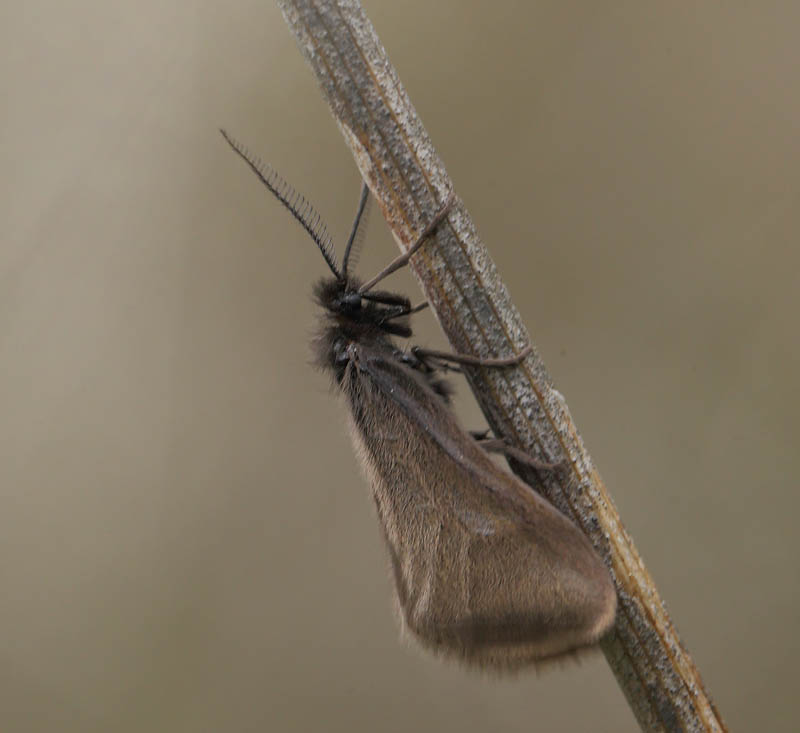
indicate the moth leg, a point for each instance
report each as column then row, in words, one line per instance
column 468, row 360
column 442, row 366
column 417, row 308
column 402, row 260
column 418, row 359
column 498, row 445
column 407, row 311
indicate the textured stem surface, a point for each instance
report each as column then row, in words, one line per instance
column 408, row 180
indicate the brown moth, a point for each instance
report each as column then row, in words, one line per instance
column 485, row 569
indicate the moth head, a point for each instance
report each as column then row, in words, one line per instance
column 340, row 295
column 349, row 302
column 349, row 307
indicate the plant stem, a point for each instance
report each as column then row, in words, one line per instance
column 409, row 181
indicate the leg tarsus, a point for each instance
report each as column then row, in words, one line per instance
column 402, row 260
column 472, row 360
column 407, row 311
column 498, row 445
column 431, row 362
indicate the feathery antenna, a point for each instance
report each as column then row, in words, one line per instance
column 296, row 203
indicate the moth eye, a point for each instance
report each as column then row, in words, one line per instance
column 351, row 301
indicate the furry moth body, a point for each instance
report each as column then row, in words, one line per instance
column 485, row 569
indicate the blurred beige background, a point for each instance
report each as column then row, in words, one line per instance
column 187, row 544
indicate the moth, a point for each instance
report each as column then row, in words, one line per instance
column 485, row 569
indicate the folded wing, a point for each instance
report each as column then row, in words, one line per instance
column 485, row 569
